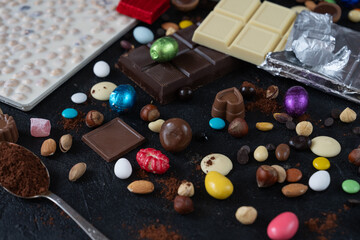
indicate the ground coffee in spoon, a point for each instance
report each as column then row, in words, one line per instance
column 21, row 171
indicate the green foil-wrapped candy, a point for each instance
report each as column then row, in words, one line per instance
column 164, row 49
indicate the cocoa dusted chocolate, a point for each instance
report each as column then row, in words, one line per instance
column 175, row 135
column 193, row 67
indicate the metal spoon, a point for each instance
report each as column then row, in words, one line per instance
column 89, row 229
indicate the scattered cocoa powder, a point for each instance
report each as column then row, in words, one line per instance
column 323, row 226
column 141, row 173
column 260, row 102
column 21, row 172
column 171, row 185
column 158, row 232
column 73, row 123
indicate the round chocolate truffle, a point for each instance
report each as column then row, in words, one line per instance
column 175, row 135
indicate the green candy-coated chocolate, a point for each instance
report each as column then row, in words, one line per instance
column 350, row 186
column 164, row 49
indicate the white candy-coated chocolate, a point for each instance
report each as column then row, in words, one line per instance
column 324, row 146
column 101, row 69
column 216, row 162
column 102, row 90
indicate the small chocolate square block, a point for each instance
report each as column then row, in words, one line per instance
column 113, row 139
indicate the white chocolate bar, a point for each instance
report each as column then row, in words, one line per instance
column 44, row 43
column 246, row 29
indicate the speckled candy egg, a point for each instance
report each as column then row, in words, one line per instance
column 296, row 101
column 122, row 99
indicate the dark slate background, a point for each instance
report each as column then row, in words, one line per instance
column 104, row 200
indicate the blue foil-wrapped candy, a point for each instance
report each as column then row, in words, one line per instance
column 122, row 99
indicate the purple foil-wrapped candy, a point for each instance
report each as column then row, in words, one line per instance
column 296, row 101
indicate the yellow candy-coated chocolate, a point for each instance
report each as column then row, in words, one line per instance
column 185, row 23
column 218, row 186
column 321, row 163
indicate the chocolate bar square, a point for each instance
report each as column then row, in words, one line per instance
column 113, row 139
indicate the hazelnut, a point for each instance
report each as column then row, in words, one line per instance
column 186, row 189
column 149, row 113
column 65, row 143
column 238, row 128
column 348, row 115
column 304, row 128
column 94, row 119
column 266, row 176
column 246, row 215
column 183, row 205
column 354, row 157
column 48, row 147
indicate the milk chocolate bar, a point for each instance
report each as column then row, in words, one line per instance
column 113, row 139
column 193, row 67
column 246, row 29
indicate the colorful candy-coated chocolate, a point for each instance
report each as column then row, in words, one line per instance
column 40, row 127
column 319, row 181
column 122, row 99
column 69, row 113
column 284, row 226
column 296, row 101
column 350, row 186
column 321, row 163
column 79, row 98
column 185, row 23
column 218, row 186
column 123, row 168
column 164, row 49
column 217, row 123
column 101, row 69
column 143, row 35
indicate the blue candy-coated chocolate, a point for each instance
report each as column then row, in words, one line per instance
column 217, row 123
column 122, row 99
column 69, row 113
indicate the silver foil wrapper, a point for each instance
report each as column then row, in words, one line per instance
column 320, row 54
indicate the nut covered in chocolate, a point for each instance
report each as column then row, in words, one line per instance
column 175, row 135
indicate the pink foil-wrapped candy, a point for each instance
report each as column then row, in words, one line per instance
column 40, row 127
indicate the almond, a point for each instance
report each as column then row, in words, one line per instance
column 48, row 147
column 141, row 187
column 77, row 171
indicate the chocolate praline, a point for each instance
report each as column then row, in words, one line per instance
column 175, row 135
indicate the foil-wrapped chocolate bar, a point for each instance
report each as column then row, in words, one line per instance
column 329, row 62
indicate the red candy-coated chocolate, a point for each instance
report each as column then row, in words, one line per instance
column 143, row 10
column 152, row 160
